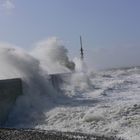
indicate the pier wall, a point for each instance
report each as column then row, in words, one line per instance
column 10, row 89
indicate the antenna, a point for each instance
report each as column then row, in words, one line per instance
column 81, row 50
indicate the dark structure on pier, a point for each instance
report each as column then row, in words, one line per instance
column 81, row 50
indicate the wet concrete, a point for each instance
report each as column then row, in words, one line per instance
column 10, row 89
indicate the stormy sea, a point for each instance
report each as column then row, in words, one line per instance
column 56, row 97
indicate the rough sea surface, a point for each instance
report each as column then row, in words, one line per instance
column 103, row 103
column 106, row 102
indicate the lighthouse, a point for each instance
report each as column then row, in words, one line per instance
column 81, row 50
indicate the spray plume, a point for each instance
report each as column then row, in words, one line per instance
column 38, row 93
column 53, row 56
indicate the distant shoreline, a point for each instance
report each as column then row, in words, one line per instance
column 35, row 134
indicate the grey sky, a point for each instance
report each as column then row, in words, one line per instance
column 102, row 23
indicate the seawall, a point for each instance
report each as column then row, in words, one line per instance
column 10, row 89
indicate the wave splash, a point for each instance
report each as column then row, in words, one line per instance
column 39, row 95
column 105, row 102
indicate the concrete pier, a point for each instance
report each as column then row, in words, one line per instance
column 10, row 89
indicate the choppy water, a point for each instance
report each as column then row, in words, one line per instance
column 106, row 102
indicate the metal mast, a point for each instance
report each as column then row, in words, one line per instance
column 81, row 50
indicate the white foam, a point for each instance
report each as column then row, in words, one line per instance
column 116, row 112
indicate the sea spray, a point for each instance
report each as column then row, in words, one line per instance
column 39, row 95
column 36, row 89
column 80, row 81
column 80, row 65
column 107, row 109
column 53, row 56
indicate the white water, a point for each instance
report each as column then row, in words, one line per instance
column 106, row 102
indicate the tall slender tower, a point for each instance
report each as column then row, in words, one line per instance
column 81, row 50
